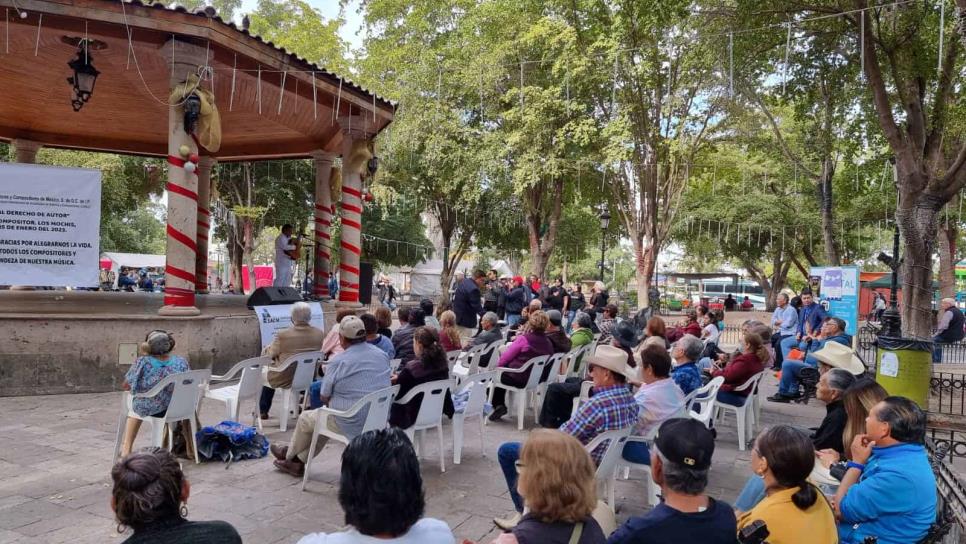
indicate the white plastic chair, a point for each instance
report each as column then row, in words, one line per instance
column 188, row 388
column 745, row 413
column 477, row 385
column 307, row 363
column 377, row 417
column 582, row 396
column 521, row 394
column 553, row 364
column 430, row 414
column 704, row 397
column 468, row 363
column 452, row 357
column 492, row 353
column 248, row 387
column 607, row 468
column 569, row 364
column 653, row 490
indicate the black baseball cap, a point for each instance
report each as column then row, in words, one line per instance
column 686, row 441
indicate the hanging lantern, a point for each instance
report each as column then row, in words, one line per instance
column 85, row 75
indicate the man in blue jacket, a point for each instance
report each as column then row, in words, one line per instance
column 810, row 318
column 468, row 304
column 889, row 490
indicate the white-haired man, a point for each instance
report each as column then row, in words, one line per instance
column 298, row 338
column 949, row 329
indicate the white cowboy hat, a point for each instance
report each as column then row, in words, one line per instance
column 613, row 359
column 838, row 356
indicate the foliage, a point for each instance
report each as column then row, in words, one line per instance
column 394, row 221
column 300, row 28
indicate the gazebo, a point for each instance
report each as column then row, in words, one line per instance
column 143, row 80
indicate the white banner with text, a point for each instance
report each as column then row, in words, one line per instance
column 272, row 319
column 49, row 225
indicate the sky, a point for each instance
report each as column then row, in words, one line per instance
column 330, row 10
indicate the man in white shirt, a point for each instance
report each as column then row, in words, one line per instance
column 284, row 263
column 784, row 321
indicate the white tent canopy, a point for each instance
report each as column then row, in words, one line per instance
column 133, row 260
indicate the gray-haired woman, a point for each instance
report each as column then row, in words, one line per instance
column 155, row 364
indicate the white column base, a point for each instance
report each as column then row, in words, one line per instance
column 175, row 311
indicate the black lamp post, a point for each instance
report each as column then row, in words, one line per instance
column 604, row 223
column 891, row 319
column 85, row 75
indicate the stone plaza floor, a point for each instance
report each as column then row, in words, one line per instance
column 56, row 451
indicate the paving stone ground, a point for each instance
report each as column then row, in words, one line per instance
column 56, row 451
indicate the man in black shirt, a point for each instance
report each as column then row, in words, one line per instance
column 680, row 461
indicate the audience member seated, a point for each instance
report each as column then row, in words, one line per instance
column 655, row 333
column 706, row 363
column 949, row 328
column 384, row 318
column 611, row 407
column 889, row 490
column 556, row 334
column 426, row 305
column 680, row 462
column 449, row 334
column 810, row 318
column 581, row 336
column 858, row 401
column 489, row 332
column 740, row 369
column 332, row 345
column 832, row 388
column 685, row 353
column 608, row 320
column 430, row 365
column 150, row 496
column 794, row 510
column 373, row 337
column 659, row 399
column 374, row 511
column 833, row 330
column 556, row 479
column 709, row 329
column 526, row 346
column 689, row 325
column 300, row 337
column 402, row 339
column 154, row 364
column 361, row 369
column 559, row 397
column 746, row 304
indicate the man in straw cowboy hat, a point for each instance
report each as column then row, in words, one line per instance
column 835, row 355
column 611, row 407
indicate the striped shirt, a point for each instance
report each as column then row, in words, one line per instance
column 611, row 408
column 351, row 375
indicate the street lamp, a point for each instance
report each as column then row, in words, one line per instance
column 85, row 75
column 604, row 222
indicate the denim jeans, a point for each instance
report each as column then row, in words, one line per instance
column 790, row 370
column 512, row 319
column 636, row 452
column 751, row 494
column 937, row 350
column 315, row 395
column 265, row 400
column 787, row 344
column 571, row 315
column 508, row 455
column 731, row 398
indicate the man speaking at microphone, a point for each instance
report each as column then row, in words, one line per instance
column 286, row 254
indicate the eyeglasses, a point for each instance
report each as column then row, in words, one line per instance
column 518, row 465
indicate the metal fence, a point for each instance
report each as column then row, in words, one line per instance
column 951, row 506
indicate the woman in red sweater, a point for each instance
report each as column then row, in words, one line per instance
column 741, row 369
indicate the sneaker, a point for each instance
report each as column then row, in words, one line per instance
column 509, row 522
column 498, row 413
column 781, row 397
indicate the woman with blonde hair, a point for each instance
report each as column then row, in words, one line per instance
column 858, row 401
column 655, row 333
column 384, row 319
column 449, row 335
column 557, row 483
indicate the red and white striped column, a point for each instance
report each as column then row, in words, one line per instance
column 205, row 164
column 354, row 137
column 324, row 212
column 182, row 187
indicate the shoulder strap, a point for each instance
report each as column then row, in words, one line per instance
column 578, row 531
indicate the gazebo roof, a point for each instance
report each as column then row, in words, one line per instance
column 128, row 110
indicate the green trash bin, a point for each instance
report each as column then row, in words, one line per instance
column 904, row 368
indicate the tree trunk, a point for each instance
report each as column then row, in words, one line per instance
column 644, row 273
column 824, row 187
column 918, row 226
column 946, row 243
column 248, row 252
column 542, row 242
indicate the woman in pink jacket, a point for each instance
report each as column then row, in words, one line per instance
column 525, row 346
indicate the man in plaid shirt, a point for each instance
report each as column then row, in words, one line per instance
column 611, row 407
